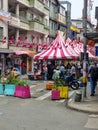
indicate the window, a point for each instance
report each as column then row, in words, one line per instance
column 62, row 10
column 47, row 3
column 79, row 25
column 1, row 33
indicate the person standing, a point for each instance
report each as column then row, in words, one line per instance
column 45, row 73
column 23, row 68
column 93, row 73
column 62, row 71
column 73, row 70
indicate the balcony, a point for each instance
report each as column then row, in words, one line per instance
column 24, row 2
column 60, row 18
column 36, row 26
column 24, row 25
column 19, row 21
column 38, row 6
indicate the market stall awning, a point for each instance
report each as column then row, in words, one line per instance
column 56, row 50
column 24, row 52
column 78, row 47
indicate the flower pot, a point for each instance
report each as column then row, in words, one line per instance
column 22, row 91
column 49, row 86
column 55, row 94
column 9, row 89
column 1, row 88
column 63, row 91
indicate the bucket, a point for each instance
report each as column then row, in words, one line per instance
column 78, row 96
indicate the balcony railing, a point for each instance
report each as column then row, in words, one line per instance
column 24, row 2
column 35, row 26
column 38, row 6
column 60, row 18
column 21, row 18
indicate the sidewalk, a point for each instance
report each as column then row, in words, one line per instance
column 88, row 105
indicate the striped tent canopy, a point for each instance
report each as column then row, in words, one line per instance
column 57, row 50
column 78, row 47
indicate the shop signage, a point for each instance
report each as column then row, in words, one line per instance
column 5, row 15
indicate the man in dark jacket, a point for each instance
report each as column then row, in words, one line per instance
column 93, row 71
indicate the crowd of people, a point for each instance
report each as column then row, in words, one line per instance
column 61, row 71
column 75, row 70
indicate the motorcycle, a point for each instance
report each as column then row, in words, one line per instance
column 72, row 82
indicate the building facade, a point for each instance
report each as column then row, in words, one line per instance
column 77, row 26
column 26, row 24
column 24, row 20
column 57, row 19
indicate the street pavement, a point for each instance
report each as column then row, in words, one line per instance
column 88, row 104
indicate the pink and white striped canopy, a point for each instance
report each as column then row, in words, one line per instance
column 78, row 47
column 57, row 50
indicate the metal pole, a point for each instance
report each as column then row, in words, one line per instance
column 85, row 48
column 68, row 16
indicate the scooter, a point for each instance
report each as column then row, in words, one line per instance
column 71, row 82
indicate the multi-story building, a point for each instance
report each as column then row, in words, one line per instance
column 57, row 19
column 23, row 20
column 77, row 26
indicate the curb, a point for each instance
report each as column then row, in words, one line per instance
column 79, row 109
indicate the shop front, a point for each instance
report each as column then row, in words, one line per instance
column 4, row 59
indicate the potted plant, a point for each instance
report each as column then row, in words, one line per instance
column 22, row 89
column 10, row 85
column 63, row 88
column 60, row 86
column 55, row 93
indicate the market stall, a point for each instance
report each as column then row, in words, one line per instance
column 78, row 48
column 26, row 57
column 57, row 50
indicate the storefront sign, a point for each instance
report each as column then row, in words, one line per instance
column 5, row 15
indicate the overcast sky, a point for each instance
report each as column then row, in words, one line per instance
column 77, row 6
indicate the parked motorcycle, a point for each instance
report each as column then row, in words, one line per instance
column 71, row 82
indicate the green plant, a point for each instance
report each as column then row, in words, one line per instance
column 22, row 82
column 11, row 80
column 59, row 82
